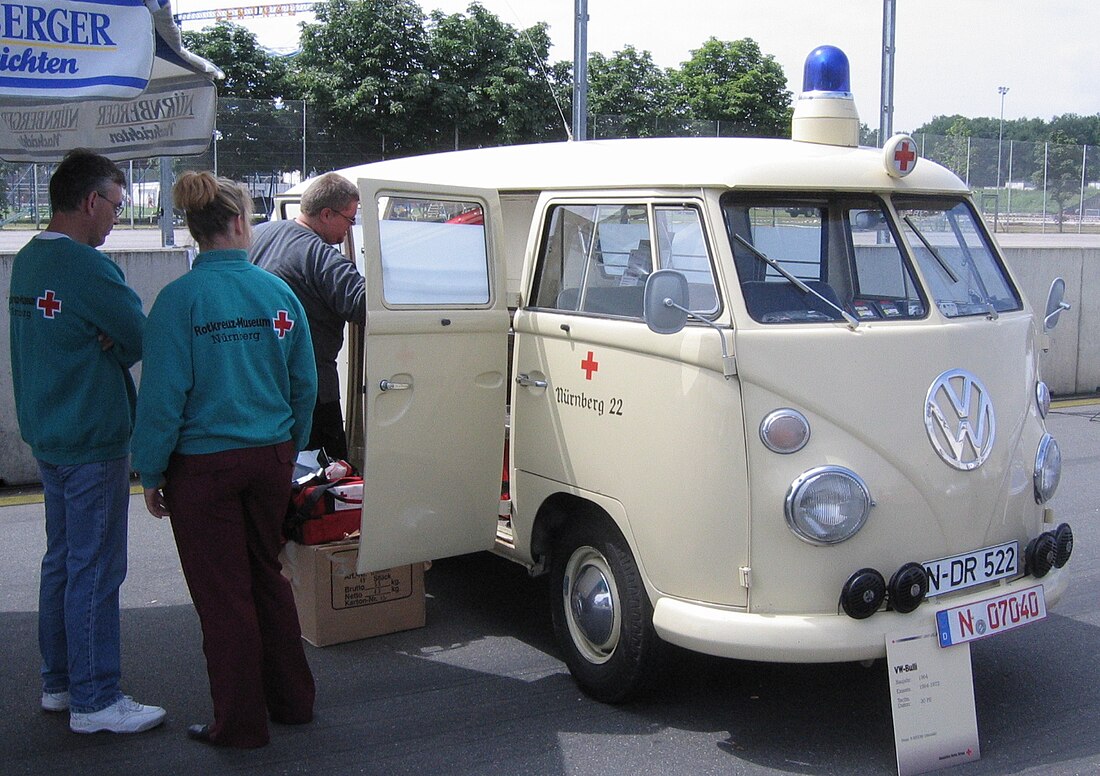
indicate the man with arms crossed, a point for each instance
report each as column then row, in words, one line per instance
column 326, row 282
column 76, row 329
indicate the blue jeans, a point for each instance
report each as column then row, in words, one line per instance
column 82, row 570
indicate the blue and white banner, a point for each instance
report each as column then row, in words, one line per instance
column 171, row 115
column 75, row 49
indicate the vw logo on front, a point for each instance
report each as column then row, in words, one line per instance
column 958, row 415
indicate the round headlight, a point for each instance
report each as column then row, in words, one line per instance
column 827, row 505
column 1048, row 469
column 785, row 431
column 1042, row 398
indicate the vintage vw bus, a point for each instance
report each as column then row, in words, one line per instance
column 764, row 399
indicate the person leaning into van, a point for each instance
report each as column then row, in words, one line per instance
column 227, row 391
column 327, row 283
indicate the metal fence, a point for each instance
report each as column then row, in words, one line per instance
column 269, row 144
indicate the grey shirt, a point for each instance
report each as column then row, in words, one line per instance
column 326, row 282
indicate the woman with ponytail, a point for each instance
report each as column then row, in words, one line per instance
column 227, row 393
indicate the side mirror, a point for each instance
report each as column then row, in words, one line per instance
column 1055, row 304
column 666, row 299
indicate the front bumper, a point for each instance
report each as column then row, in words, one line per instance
column 818, row 638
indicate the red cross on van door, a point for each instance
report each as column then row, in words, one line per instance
column 48, row 304
column 589, row 365
column 282, row 323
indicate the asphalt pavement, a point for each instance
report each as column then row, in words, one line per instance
column 481, row 689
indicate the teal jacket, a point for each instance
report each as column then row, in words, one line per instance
column 74, row 400
column 228, row 365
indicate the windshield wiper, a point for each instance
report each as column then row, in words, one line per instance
column 853, row 322
column 931, row 249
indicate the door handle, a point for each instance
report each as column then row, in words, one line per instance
column 530, row 382
column 389, row 385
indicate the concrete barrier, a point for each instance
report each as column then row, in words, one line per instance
column 1070, row 366
column 147, row 272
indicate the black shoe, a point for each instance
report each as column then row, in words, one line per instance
column 199, row 733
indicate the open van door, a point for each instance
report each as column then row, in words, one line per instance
column 434, row 372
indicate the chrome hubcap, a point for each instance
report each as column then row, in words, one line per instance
column 591, row 604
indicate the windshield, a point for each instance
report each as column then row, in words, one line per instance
column 806, row 259
column 963, row 273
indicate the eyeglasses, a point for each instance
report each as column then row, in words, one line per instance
column 351, row 221
column 118, row 206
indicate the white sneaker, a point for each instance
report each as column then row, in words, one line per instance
column 55, row 701
column 123, row 716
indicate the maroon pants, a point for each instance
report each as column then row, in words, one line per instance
column 227, row 512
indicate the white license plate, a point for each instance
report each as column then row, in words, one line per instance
column 972, row 568
column 980, row 619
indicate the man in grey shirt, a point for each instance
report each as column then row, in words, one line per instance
column 326, row 282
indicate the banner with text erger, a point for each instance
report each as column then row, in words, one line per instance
column 75, row 49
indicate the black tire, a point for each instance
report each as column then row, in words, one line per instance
column 603, row 619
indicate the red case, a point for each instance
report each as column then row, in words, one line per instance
column 330, row 528
column 313, row 517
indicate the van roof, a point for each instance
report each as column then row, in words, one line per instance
column 753, row 163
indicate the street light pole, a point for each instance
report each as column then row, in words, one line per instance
column 580, row 70
column 1002, row 90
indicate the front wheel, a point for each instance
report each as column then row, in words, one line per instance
column 603, row 619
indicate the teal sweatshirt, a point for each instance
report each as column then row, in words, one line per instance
column 228, row 365
column 74, row 401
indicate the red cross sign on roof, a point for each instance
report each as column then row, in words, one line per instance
column 282, row 323
column 48, row 304
column 900, row 156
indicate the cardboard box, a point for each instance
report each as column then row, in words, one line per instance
column 335, row 604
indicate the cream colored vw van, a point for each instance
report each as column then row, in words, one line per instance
column 763, row 399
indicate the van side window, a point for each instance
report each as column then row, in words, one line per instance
column 682, row 246
column 433, row 252
column 596, row 258
column 841, row 247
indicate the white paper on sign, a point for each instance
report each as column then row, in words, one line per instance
column 932, row 703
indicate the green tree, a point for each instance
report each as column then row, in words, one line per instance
column 251, row 114
column 490, row 80
column 363, row 66
column 250, row 71
column 1062, row 173
column 734, row 83
column 953, row 150
column 628, row 92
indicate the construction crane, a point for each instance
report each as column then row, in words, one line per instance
column 246, row 12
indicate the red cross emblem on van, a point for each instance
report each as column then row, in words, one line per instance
column 590, row 365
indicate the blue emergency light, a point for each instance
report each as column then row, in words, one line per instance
column 826, row 70
column 826, row 112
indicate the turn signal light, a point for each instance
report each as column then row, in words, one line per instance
column 863, row 594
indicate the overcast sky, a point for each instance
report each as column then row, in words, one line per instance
column 951, row 55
